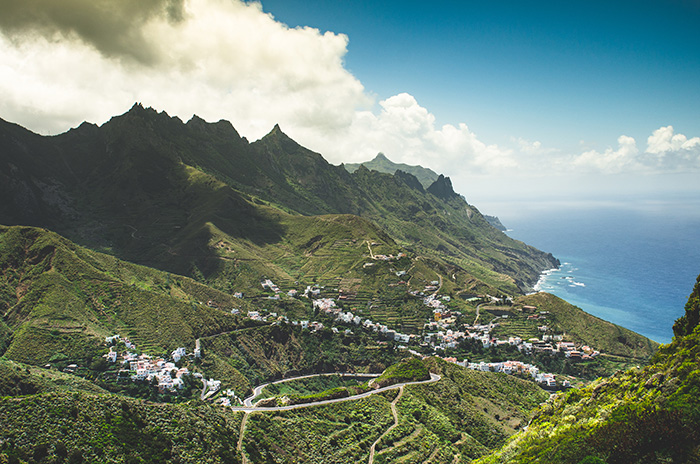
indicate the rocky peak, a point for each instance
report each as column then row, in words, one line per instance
column 442, row 188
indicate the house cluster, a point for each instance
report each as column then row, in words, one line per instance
column 328, row 306
column 438, row 336
column 388, row 257
column 312, row 291
column 227, row 397
column 515, row 367
column 114, row 339
column 442, row 339
column 442, row 316
column 144, row 367
column 258, row 316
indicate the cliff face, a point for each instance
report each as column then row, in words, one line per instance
column 442, row 188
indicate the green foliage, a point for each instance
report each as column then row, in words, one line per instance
column 637, row 416
column 83, row 427
column 691, row 319
column 18, row 379
column 266, row 353
column 587, row 329
column 311, row 385
column 336, row 433
column 408, row 370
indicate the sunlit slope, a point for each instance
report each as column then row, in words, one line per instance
column 649, row 415
column 61, row 299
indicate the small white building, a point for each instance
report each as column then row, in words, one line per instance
column 178, row 354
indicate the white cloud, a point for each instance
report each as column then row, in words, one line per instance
column 666, row 152
column 222, row 59
column 405, row 132
column 663, row 141
column 611, row 161
column 227, row 59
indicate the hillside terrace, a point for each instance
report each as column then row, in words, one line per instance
column 438, row 334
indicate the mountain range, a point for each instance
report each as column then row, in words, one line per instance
column 173, row 234
column 151, row 189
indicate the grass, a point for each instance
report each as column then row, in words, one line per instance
column 587, row 329
column 466, row 413
column 310, row 386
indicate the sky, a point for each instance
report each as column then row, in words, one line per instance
column 518, row 102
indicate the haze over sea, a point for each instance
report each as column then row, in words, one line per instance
column 633, row 263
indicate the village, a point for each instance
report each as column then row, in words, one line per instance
column 163, row 374
column 440, row 335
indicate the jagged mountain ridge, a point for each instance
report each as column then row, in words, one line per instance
column 150, row 178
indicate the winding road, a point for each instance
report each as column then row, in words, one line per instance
column 478, row 307
column 248, row 406
column 248, row 402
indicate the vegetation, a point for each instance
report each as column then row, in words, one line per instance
column 649, row 415
column 335, row 433
column 462, row 416
column 311, row 385
column 408, row 370
column 79, row 427
column 198, row 200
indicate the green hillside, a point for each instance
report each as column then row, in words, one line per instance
column 180, row 234
column 649, row 415
column 456, row 419
column 60, row 301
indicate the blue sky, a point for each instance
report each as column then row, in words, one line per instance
column 527, row 101
column 560, row 72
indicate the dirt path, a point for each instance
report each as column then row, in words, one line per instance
column 432, row 455
column 478, row 307
column 396, row 423
column 239, row 447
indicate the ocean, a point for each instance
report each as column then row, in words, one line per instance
column 631, row 265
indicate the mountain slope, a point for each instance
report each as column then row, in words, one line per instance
column 649, row 415
column 150, row 189
column 60, row 299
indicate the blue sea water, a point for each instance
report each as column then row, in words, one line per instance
column 631, row 266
